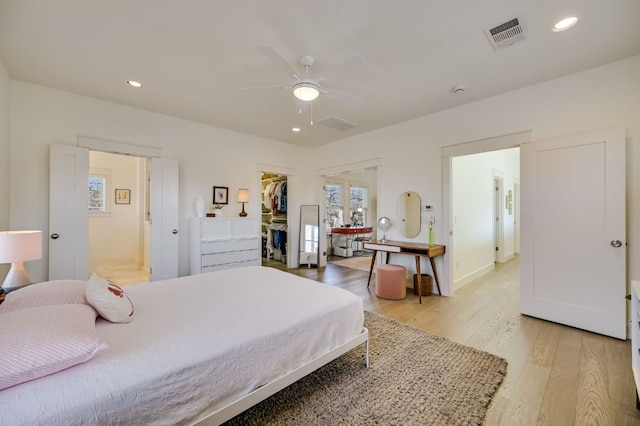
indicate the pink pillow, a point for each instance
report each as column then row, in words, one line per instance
column 111, row 302
column 42, row 341
column 48, row 293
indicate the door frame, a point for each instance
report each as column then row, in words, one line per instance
column 114, row 147
column 512, row 140
column 324, row 173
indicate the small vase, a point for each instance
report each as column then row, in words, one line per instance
column 430, row 236
column 200, row 207
column 219, row 213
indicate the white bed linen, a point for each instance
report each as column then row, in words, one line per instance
column 196, row 344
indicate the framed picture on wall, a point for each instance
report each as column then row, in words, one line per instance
column 123, row 196
column 220, row 195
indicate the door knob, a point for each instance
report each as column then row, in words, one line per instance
column 616, row 243
column 174, row 232
column 55, row 236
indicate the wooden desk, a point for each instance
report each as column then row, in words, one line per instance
column 407, row 247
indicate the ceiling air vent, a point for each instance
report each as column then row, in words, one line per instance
column 336, row 123
column 504, row 35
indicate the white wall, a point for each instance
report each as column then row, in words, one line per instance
column 473, row 211
column 5, row 115
column 115, row 236
column 410, row 152
column 207, row 156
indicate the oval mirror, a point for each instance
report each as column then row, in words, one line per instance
column 410, row 214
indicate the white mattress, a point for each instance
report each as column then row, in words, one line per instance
column 196, row 344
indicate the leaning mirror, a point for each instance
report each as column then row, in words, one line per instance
column 309, row 235
column 410, row 214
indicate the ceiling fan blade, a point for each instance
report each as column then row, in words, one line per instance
column 341, row 96
column 279, row 86
column 343, row 67
column 280, row 62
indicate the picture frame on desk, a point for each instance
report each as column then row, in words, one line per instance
column 220, row 195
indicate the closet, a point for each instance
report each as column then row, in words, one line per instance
column 274, row 217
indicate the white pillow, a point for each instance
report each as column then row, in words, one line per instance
column 48, row 293
column 41, row 341
column 109, row 300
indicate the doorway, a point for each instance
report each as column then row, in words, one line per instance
column 274, row 219
column 119, row 228
column 483, row 225
column 350, row 200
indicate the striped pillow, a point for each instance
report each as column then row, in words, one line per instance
column 42, row 341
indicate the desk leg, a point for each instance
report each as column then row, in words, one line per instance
column 419, row 279
column 435, row 274
column 373, row 261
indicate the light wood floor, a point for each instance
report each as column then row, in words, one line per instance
column 557, row 375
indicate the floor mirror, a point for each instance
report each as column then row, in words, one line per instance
column 309, row 235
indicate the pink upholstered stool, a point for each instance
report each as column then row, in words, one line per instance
column 390, row 282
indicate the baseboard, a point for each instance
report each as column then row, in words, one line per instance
column 461, row 282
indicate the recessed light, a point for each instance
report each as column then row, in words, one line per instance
column 565, row 24
column 295, row 129
column 134, row 83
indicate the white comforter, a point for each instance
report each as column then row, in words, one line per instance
column 196, row 344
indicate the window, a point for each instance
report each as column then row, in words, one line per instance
column 99, row 190
column 358, row 204
column 97, row 197
column 333, row 204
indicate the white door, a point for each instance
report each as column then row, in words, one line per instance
column 68, row 212
column 573, row 268
column 164, row 219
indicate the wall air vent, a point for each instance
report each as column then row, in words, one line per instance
column 507, row 33
column 336, row 123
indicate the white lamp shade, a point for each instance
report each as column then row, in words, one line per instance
column 243, row 195
column 20, row 246
column 16, row 247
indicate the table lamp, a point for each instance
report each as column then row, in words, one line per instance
column 17, row 247
column 243, row 197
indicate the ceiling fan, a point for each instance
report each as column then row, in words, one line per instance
column 307, row 88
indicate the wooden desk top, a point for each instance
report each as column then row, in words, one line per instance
column 407, row 247
column 352, row 230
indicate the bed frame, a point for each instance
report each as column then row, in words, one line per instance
column 233, row 409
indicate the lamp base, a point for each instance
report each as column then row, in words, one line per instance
column 16, row 278
column 243, row 213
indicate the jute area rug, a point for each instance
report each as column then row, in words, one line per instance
column 415, row 378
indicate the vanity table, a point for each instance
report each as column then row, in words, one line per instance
column 406, row 247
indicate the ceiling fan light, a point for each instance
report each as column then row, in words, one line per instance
column 306, row 91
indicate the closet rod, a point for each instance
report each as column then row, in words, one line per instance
column 278, row 179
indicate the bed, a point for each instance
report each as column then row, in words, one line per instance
column 200, row 350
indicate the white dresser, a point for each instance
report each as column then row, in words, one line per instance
column 224, row 243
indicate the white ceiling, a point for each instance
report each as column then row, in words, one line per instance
column 197, row 57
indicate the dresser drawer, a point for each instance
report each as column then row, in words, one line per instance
column 211, row 268
column 226, row 246
column 230, row 257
